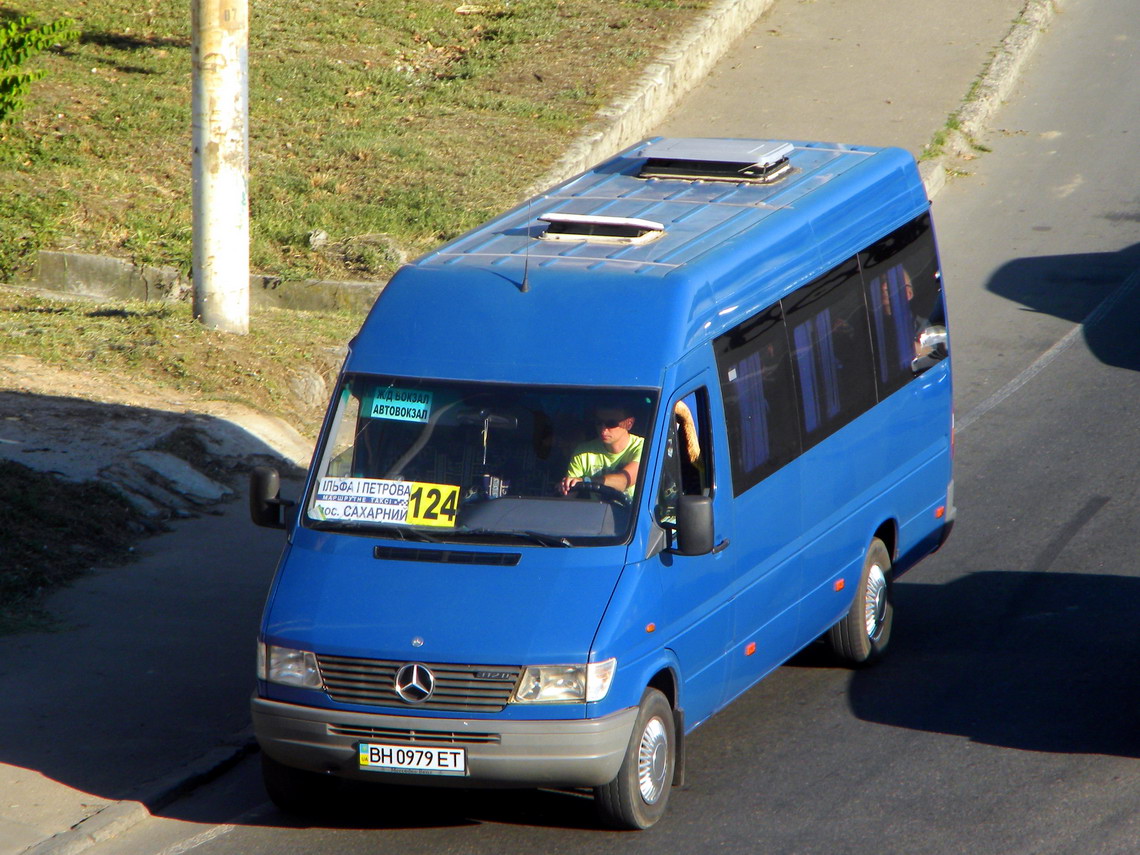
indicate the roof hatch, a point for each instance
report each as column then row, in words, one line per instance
column 599, row 229
column 716, row 160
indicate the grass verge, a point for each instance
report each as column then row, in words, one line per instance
column 160, row 343
column 408, row 119
column 385, row 127
column 46, row 543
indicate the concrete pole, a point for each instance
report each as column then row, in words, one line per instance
column 220, row 118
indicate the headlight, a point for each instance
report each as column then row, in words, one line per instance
column 554, row 684
column 288, row 667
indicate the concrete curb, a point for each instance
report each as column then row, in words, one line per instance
column 104, row 277
column 618, row 125
column 1004, row 70
column 992, row 88
column 121, row 816
column 667, row 80
column 660, row 87
column 989, row 91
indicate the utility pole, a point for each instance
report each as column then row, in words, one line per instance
column 220, row 91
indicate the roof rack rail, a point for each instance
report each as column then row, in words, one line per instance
column 734, row 161
column 600, row 229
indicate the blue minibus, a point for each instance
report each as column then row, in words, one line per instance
column 596, row 467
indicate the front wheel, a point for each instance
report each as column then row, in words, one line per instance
column 636, row 798
column 861, row 637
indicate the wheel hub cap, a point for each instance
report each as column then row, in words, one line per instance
column 652, row 760
column 876, row 602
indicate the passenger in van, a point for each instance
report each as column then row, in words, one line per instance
column 684, row 472
column 896, row 294
column 692, row 464
column 611, row 460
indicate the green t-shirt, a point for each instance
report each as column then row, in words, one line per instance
column 593, row 460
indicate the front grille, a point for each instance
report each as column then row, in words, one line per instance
column 462, row 688
column 385, row 734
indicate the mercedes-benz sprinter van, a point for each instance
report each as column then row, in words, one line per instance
column 595, row 468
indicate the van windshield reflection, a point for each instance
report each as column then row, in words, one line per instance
column 451, row 461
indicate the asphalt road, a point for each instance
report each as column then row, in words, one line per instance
column 1005, row 719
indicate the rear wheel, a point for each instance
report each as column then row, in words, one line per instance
column 862, row 635
column 636, row 798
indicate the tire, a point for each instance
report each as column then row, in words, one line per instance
column 637, row 797
column 296, row 791
column 861, row 636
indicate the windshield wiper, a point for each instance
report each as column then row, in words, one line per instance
column 545, row 539
column 403, row 532
column 398, row 532
column 541, row 538
column 335, row 525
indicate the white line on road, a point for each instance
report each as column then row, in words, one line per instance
column 197, row 840
column 1042, row 362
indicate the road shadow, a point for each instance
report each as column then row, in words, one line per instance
column 1035, row 661
column 80, row 440
column 1074, row 287
column 150, row 664
column 417, row 808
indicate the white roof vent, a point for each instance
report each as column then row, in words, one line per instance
column 751, row 161
column 599, row 229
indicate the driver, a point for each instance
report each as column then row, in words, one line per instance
column 612, row 459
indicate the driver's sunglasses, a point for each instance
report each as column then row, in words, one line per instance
column 609, row 423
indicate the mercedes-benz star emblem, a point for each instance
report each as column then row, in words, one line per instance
column 414, row 683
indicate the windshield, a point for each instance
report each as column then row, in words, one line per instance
column 458, row 461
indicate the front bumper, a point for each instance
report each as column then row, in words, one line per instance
column 578, row 753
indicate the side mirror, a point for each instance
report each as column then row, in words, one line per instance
column 266, row 507
column 694, row 525
column 931, row 346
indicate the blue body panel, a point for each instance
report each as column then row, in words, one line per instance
column 461, row 311
column 338, row 599
column 331, row 595
column 502, row 305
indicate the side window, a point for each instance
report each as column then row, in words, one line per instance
column 341, row 449
column 755, row 369
column 688, row 455
column 904, row 295
column 827, row 322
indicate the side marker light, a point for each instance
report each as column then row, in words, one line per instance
column 840, row 584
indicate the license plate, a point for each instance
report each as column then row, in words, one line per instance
column 378, row 757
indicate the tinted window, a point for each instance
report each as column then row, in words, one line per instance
column 827, row 322
column 755, row 369
column 904, row 294
column 797, row 372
